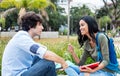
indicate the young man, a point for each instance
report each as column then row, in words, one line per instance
column 24, row 57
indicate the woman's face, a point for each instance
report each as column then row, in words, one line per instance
column 83, row 27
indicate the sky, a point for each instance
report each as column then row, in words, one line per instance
column 92, row 4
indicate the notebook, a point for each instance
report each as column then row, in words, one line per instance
column 92, row 65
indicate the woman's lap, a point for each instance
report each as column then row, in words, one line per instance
column 74, row 70
column 102, row 73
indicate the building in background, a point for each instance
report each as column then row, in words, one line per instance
column 63, row 4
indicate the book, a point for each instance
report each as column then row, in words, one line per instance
column 92, row 65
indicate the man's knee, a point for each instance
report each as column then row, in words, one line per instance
column 50, row 64
column 51, row 68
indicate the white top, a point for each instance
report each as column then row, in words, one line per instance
column 19, row 53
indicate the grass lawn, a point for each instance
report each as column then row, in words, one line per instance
column 57, row 45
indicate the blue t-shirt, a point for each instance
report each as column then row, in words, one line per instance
column 19, row 54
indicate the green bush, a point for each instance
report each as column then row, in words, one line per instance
column 2, row 21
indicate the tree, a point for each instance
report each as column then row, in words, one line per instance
column 104, row 21
column 113, row 11
column 27, row 4
column 30, row 4
column 101, row 12
column 56, row 18
column 2, row 22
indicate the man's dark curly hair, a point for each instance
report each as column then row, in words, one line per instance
column 29, row 20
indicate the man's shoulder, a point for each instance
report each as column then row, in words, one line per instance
column 21, row 34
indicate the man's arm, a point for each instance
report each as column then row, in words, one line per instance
column 42, row 52
column 49, row 55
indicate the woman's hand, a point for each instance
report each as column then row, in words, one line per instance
column 86, row 69
column 70, row 48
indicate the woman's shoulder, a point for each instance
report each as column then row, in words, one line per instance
column 102, row 37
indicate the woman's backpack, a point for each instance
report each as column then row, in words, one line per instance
column 113, row 64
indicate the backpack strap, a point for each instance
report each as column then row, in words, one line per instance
column 98, row 47
column 99, row 58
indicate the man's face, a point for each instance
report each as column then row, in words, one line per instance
column 38, row 29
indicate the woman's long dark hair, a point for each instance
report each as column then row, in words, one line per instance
column 92, row 28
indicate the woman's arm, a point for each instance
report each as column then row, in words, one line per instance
column 103, row 41
column 83, row 58
column 75, row 57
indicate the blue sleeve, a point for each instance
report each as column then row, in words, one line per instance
column 38, row 50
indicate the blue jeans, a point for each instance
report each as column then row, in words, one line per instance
column 41, row 67
column 73, row 70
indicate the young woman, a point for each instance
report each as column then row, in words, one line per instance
column 87, row 38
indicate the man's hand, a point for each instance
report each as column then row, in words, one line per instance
column 64, row 65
